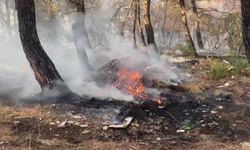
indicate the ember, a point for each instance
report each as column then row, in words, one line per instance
column 131, row 83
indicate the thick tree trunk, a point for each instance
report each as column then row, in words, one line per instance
column 44, row 70
column 197, row 26
column 148, row 27
column 134, row 25
column 189, row 39
column 245, row 10
column 8, row 24
column 139, row 23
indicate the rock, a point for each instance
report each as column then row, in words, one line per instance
column 70, row 122
column 157, row 127
column 77, row 123
column 85, row 132
column 166, row 128
column 180, row 131
column 158, row 139
column 83, row 125
column 62, row 124
column 58, row 122
column 105, row 128
column 220, row 107
column 52, row 123
column 77, row 117
column 16, row 122
column 213, row 112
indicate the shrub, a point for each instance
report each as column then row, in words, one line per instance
column 218, row 70
column 186, row 50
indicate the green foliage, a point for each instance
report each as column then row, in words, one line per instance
column 235, row 67
column 239, row 65
column 186, row 50
column 218, row 70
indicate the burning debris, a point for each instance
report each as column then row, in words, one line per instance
column 131, row 83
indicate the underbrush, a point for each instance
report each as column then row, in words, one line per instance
column 186, row 50
column 231, row 66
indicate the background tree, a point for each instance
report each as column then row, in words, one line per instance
column 148, row 26
column 189, row 39
column 245, row 10
column 44, row 70
column 80, row 37
column 197, row 25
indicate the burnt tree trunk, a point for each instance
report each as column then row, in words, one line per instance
column 134, row 25
column 245, row 10
column 189, row 39
column 8, row 24
column 197, row 25
column 80, row 39
column 44, row 70
column 148, row 27
column 139, row 23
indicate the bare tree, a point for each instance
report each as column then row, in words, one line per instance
column 189, row 39
column 80, row 36
column 7, row 21
column 134, row 25
column 44, row 69
column 148, row 26
column 197, row 25
column 139, row 23
column 245, row 10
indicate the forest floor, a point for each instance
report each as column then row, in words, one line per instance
column 216, row 116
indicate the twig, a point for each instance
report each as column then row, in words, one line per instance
column 172, row 116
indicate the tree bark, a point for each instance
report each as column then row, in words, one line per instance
column 189, row 39
column 44, row 70
column 134, row 25
column 8, row 25
column 139, row 23
column 148, row 27
column 80, row 38
column 81, row 9
column 197, row 25
column 245, row 10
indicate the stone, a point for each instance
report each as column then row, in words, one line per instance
column 83, row 125
column 105, row 128
column 62, row 124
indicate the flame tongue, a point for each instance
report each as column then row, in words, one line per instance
column 131, row 83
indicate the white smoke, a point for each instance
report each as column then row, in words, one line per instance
column 12, row 59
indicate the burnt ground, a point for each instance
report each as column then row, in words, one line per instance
column 207, row 115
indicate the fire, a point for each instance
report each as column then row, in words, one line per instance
column 131, row 83
column 24, row 68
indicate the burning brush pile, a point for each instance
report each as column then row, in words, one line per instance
column 133, row 77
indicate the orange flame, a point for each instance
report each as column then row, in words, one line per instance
column 24, row 68
column 131, row 82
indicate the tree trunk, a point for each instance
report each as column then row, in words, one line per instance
column 189, row 40
column 44, row 70
column 139, row 23
column 148, row 27
column 134, row 25
column 245, row 10
column 15, row 22
column 126, row 19
column 8, row 25
column 81, row 8
column 197, row 26
column 80, row 39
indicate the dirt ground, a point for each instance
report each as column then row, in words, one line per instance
column 207, row 115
